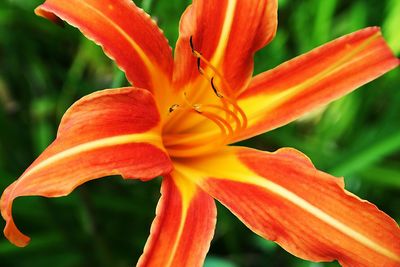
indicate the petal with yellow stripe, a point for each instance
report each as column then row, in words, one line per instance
column 282, row 197
column 226, row 33
column 126, row 33
column 281, row 95
column 183, row 228
column 89, row 145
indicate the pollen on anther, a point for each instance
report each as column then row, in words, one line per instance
column 173, row 108
column 217, row 93
column 199, row 66
column 191, row 43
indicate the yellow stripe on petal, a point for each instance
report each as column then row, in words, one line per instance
column 127, row 35
column 89, row 145
column 150, row 138
column 187, row 191
column 256, row 106
column 226, row 33
column 301, row 203
column 184, row 225
column 281, row 95
column 224, row 38
column 227, row 168
column 134, row 44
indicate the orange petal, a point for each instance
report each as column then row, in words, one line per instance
column 126, row 33
column 281, row 95
column 183, row 228
column 282, row 197
column 227, row 33
column 106, row 133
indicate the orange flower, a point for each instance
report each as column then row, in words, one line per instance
column 183, row 113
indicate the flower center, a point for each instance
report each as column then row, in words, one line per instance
column 199, row 125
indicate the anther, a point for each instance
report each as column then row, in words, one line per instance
column 215, row 89
column 173, row 108
column 199, row 66
column 191, row 43
column 197, row 108
column 194, row 52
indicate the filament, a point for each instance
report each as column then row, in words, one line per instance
column 215, row 70
column 229, row 113
column 227, row 116
column 224, row 126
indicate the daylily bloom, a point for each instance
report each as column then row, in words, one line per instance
column 180, row 115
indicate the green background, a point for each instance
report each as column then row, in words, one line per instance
column 45, row 68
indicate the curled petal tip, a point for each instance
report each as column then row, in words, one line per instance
column 82, row 152
column 48, row 15
column 11, row 232
column 15, row 236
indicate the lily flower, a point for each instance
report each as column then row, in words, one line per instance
column 181, row 115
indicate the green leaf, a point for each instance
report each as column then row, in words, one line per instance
column 218, row 262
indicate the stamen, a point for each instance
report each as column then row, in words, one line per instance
column 216, row 71
column 237, row 108
column 224, row 126
column 229, row 91
column 173, row 108
column 231, row 102
column 229, row 114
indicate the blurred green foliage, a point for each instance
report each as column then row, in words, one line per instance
column 45, row 68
